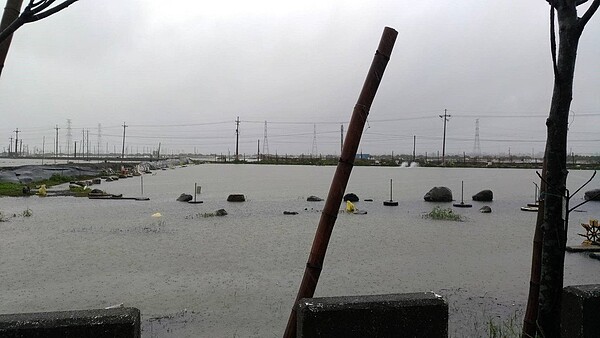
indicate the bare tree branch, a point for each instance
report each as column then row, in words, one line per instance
column 53, row 10
column 34, row 12
column 40, row 6
column 588, row 14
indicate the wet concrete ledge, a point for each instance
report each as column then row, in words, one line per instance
column 102, row 323
column 422, row 314
column 580, row 311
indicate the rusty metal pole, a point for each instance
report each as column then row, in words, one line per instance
column 342, row 173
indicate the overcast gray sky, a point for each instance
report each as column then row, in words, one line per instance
column 180, row 72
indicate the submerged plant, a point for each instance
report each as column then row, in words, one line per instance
column 27, row 213
column 439, row 213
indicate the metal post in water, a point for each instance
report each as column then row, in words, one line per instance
column 342, row 174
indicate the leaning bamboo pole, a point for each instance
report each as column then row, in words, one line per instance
column 342, row 173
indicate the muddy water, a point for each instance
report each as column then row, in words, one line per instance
column 196, row 276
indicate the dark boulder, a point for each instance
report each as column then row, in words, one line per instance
column 290, row 213
column 314, row 199
column 438, row 194
column 485, row 209
column 484, row 196
column 592, row 195
column 350, row 197
column 236, row 198
column 184, row 198
column 221, row 212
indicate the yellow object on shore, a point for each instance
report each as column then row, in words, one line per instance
column 350, row 206
column 42, row 191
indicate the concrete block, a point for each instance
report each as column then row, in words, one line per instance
column 580, row 311
column 423, row 315
column 103, row 323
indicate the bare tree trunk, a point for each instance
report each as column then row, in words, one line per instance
column 555, row 169
column 547, row 270
column 11, row 13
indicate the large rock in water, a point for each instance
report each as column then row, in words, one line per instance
column 314, row 199
column 236, row 198
column 592, row 195
column 351, row 197
column 485, row 209
column 439, row 194
column 184, row 198
column 484, row 196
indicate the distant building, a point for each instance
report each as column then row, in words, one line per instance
column 362, row 156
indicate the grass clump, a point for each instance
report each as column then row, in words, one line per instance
column 446, row 214
column 80, row 191
column 510, row 328
column 27, row 213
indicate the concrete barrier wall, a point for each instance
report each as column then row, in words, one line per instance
column 104, row 323
column 580, row 317
column 393, row 315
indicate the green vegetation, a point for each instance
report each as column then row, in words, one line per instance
column 11, row 189
column 80, row 191
column 19, row 189
column 55, row 180
column 439, row 213
column 511, row 328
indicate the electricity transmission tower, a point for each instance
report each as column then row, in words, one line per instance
column 69, row 137
column 314, row 143
column 265, row 149
column 99, row 138
column 476, row 145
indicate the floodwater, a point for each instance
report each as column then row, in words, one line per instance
column 237, row 275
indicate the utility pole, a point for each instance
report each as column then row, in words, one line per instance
column 43, row 149
column 258, row 151
column 237, row 138
column 56, row 145
column 10, row 146
column 446, row 118
column 313, row 152
column 341, row 138
column 414, row 147
column 17, row 131
column 123, row 150
column 87, row 145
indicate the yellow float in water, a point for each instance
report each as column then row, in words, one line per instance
column 156, row 215
column 350, row 207
column 42, row 191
